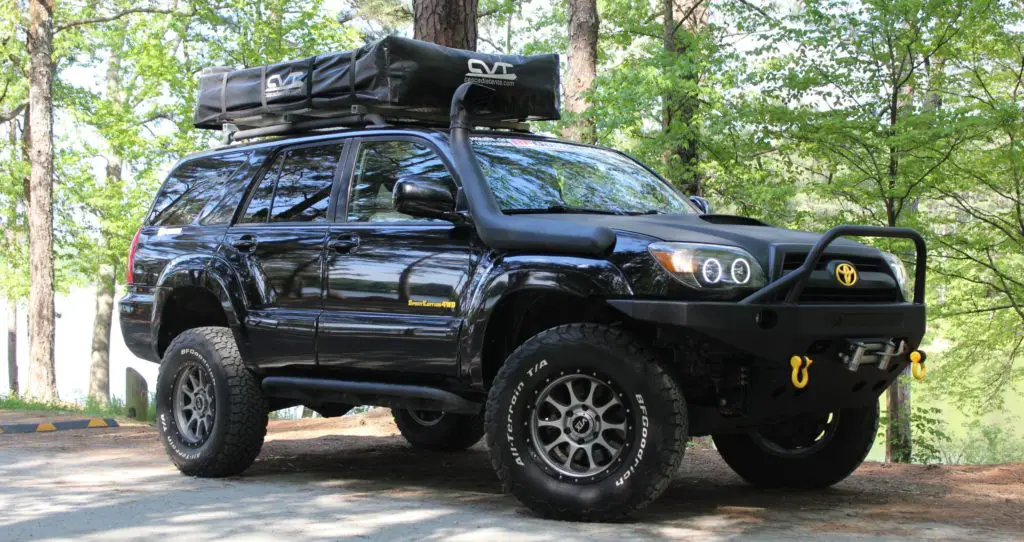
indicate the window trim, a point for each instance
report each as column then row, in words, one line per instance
column 349, row 167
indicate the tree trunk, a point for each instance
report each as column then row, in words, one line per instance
column 683, row 19
column 42, row 381
column 446, row 22
column 106, row 280
column 583, row 28
column 12, row 346
column 898, row 446
column 99, row 370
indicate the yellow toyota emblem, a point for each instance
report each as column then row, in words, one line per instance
column 846, row 274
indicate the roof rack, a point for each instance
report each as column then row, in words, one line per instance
column 359, row 117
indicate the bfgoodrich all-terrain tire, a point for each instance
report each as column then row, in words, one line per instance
column 439, row 431
column 211, row 413
column 584, row 424
column 808, row 454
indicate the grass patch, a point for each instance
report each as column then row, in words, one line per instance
column 89, row 407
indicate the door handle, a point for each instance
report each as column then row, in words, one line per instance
column 345, row 243
column 245, row 243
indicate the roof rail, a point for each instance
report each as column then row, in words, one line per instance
column 360, row 117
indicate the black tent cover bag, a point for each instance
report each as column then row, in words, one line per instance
column 394, row 76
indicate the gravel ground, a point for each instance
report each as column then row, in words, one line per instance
column 353, row 477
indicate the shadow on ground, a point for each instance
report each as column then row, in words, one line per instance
column 118, row 485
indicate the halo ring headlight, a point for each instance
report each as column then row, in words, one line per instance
column 711, row 270
column 705, row 266
column 740, row 271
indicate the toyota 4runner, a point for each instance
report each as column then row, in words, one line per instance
column 560, row 300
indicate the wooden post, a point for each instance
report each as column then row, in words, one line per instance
column 136, row 395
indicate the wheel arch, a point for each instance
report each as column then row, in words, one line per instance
column 196, row 291
column 527, row 294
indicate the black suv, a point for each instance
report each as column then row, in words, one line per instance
column 561, row 299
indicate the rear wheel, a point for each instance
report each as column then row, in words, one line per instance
column 439, row 431
column 584, row 424
column 211, row 413
column 809, row 452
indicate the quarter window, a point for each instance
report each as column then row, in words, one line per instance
column 191, row 186
column 379, row 165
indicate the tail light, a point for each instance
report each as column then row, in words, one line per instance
column 131, row 257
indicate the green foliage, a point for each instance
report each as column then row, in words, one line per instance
column 90, row 407
column 985, row 444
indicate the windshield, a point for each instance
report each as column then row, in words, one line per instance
column 529, row 175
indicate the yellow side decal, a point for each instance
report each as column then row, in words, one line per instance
column 432, row 304
column 45, row 427
column 98, row 422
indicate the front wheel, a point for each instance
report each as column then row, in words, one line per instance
column 584, row 424
column 808, row 453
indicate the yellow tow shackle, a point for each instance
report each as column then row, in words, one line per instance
column 800, row 377
column 917, row 367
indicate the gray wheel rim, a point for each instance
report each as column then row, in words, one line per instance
column 579, row 426
column 194, row 403
column 427, row 418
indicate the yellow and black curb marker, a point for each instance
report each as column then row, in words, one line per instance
column 47, row 427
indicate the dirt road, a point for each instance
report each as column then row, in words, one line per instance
column 354, row 478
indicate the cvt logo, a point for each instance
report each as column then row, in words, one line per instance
column 278, row 85
column 498, row 70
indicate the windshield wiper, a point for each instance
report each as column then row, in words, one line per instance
column 562, row 209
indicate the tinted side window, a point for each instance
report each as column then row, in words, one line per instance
column 259, row 205
column 304, row 185
column 221, row 212
column 191, row 186
column 379, row 164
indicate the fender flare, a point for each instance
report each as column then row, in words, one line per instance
column 499, row 277
column 208, row 272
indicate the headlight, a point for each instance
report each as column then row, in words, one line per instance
column 900, row 271
column 709, row 266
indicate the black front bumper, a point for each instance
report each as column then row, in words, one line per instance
column 764, row 334
column 774, row 333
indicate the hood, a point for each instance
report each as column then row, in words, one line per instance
column 759, row 240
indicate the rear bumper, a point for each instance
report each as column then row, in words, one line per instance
column 135, row 311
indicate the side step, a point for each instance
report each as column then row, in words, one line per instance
column 317, row 390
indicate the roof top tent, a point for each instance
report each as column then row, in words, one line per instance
column 395, row 78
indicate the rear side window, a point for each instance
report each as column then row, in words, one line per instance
column 304, row 186
column 296, row 188
column 191, row 186
column 259, row 206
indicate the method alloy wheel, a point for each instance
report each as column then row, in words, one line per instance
column 584, row 424
column 211, row 413
column 439, row 431
column 808, row 453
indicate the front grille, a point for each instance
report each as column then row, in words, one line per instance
column 833, row 293
column 864, row 264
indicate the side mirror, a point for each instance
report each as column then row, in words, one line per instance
column 701, row 203
column 425, row 197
